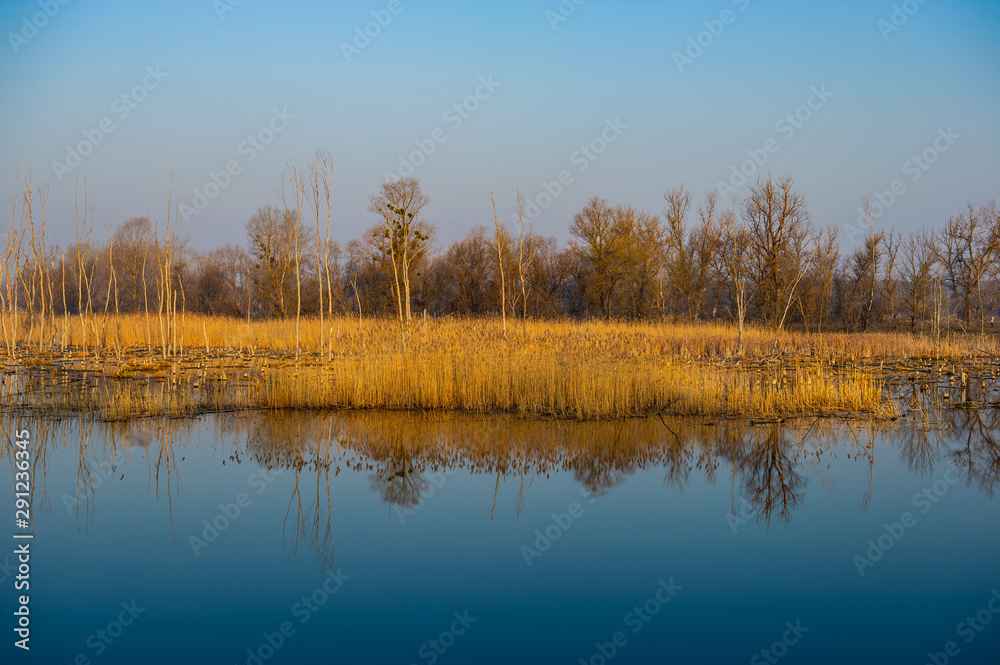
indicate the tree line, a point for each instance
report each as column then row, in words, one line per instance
column 760, row 259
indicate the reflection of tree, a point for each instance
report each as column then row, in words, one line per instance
column 965, row 435
column 600, row 473
column 919, row 448
column 400, row 451
column 977, row 455
column 920, row 436
column 398, row 483
column 677, row 459
column 313, row 525
column 771, row 483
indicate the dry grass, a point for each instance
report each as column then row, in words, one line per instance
column 572, row 387
column 590, row 370
column 109, row 335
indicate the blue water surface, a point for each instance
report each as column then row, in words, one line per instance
column 679, row 557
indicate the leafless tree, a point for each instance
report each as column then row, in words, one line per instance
column 968, row 249
column 273, row 236
column 599, row 241
column 736, row 261
column 500, row 242
column 776, row 221
column 402, row 236
column 297, row 183
column 917, row 268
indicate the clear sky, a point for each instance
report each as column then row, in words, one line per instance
column 201, row 77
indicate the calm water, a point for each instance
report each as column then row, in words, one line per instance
column 397, row 538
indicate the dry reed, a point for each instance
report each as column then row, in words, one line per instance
column 590, row 370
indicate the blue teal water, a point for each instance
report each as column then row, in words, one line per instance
column 661, row 552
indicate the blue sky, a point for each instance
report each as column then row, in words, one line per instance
column 893, row 94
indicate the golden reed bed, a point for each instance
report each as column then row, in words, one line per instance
column 133, row 366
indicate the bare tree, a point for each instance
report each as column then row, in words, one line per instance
column 890, row 279
column 776, row 220
column 599, row 241
column 968, row 249
column 273, row 235
column 503, row 280
column 522, row 257
column 705, row 243
column 402, row 237
column 321, row 174
column 644, row 241
column 816, row 292
column 680, row 264
column 917, row 270
column 297, row 182
column 736, row 261
column 131, row 241
column 13, row 246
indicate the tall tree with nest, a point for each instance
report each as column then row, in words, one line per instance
column 401, row 237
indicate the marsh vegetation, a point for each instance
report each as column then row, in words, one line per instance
column 750, row 312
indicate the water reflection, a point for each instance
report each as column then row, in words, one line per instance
column 362, row 488
column 769, row 466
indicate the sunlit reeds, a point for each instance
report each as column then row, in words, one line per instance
column 594, row 370
column 130, row 333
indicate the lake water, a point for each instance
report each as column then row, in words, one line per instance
column 429, row 538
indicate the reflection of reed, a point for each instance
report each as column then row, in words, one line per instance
column 84, row 476
column 167, row 463
column 313, row 522
column 769, row 463
column 955, row 421
column 39, row 434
